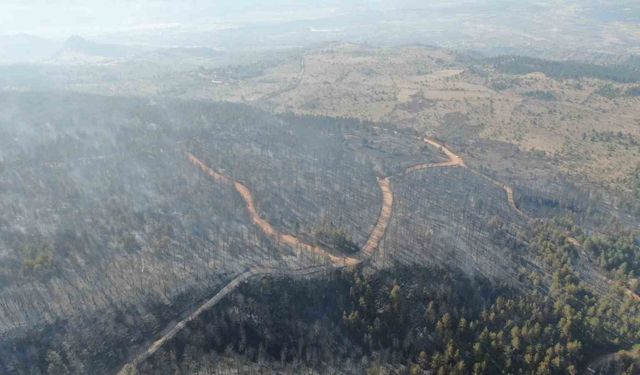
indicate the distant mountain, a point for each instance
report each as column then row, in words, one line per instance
column 185, row 52
column 78, row 49
column 22, row 48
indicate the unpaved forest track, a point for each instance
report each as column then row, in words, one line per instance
column 608, row 362
column 264, row 225
column 457, row 161
column 180, row 325
column 507, row 189
column 217, row 177
column 287, row 239
column 228, row 288
column 383, row 219
column 454, row 159
column 512, row 203
column 366, row 252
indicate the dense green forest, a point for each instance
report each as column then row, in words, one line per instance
column 565, row 69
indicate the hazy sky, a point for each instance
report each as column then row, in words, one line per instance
column 196, row 22
column 61, row 18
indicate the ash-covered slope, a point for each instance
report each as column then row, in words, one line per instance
column 110, row 234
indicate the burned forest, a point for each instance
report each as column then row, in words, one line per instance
column 338, row 187
column 159, row 213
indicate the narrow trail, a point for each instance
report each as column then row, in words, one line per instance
column 286, row 239
column 457, row 161
column 366, row 252
column 228, row 288
column 454, row 159
column 383, row 219
column 506, row 188
column 237, row 281
column 606, row 363
column 266, row 227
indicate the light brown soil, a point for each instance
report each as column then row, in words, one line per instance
column 383, row 219
column 287, row 239
column 454, row 159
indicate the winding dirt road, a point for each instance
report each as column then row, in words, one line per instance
column 506, row 188
column 287, row 239
column 237, row 281
column 366, row 252
column 337, row 261
column 266, row 227
column 383, row 219
column 454, row 159
column 228, row 288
